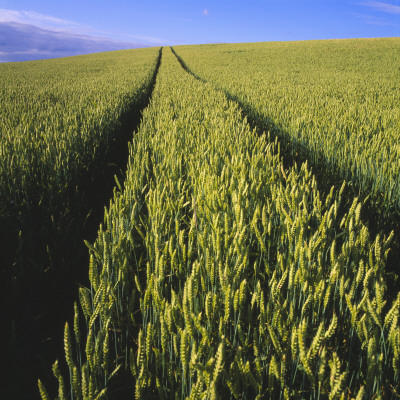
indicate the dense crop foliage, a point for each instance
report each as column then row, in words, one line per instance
column 58, row 118
column 335, row 102
column 64, row 128
column 219, row 274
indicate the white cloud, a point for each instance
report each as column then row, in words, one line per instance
column 381, row 6
column 29, row 42
column 36, row 19
column 372, row 20
column 61, row 25
column 205, row 11
column 30, row 35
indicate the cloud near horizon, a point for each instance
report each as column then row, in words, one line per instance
column 23, row 42
column 26, row 35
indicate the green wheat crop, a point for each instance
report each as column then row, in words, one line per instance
column 219, row 274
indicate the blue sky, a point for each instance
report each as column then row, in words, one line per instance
column 34, row 29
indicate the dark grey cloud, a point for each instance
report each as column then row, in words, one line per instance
column 23, row 42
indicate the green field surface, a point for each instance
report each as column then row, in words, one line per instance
column 64, row 125
column 333, row 102
column 59, row 117
column 218, row 273
column 232, row 260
